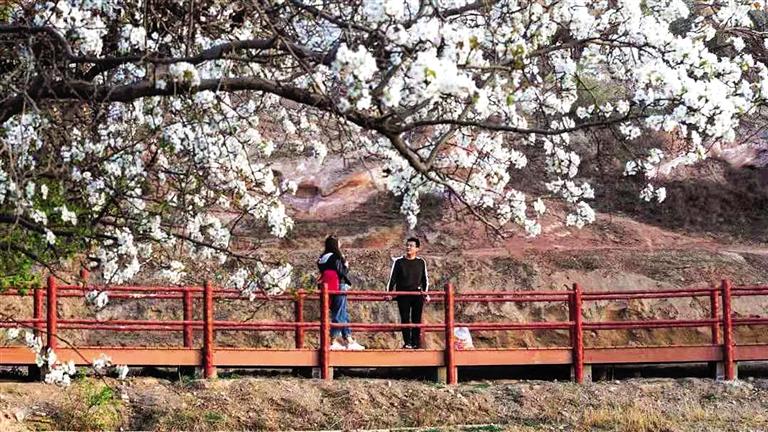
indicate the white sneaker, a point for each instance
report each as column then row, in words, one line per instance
column 354, row 346
column 336, row 346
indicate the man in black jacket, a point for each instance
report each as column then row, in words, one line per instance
column 409, row 273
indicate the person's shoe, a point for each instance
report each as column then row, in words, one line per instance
column 336, row 346
column 352, row 345
column 406, row 346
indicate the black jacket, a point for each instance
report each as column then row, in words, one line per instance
column 331, row 261
column 408, row 275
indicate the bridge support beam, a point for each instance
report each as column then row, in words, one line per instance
column 441, row 375
column 323, row 373
column 719, row 371
column 586, row 374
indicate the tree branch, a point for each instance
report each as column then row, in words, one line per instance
column 213, row 53
column 86, row 91
column 506, row 128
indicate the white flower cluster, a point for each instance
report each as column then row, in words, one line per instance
column 174, row 272
column 260, row 279
column 134, row 37
column 561, row 161
column 278, row 279
column 402, row 180
column 212, row 146
column 379, row 10
column 570, row 191
column 67, row 216
column 355, row 69
column 649, row 166
column 56, row 372
column 575, row 194
column 81, row 21
column 120, row 257
column 97, row 299
column 584, row 215
column 649, row 193
column 103, row 365
column 183, row 73
column 655, row 156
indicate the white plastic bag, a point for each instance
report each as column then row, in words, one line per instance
column 462, row 338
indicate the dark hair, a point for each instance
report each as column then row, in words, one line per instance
column 332, row 245
column 415, row 240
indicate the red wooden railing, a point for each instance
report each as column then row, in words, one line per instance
column 209, row 356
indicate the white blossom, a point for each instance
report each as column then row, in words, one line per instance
column 13, row 333
column 174, row 272
column 122, row 372
column 184, row 73
column 98, row 299
column 647, row 193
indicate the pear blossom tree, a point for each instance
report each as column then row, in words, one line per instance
column 136, row 132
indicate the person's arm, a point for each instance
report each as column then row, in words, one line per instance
column 392, row 279
column 424, row 277
column 343, row 272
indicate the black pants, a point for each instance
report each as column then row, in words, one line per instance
column 410, row 308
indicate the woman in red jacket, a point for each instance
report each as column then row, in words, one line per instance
column 334, row 271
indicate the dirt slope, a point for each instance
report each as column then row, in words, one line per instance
column 290, row 404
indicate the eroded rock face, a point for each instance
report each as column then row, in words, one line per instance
column 331, row 190
column 751, row 153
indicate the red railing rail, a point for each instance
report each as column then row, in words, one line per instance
column 717, row 320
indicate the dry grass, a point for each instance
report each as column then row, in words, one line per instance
column 648, row 405
column 194, row 420
column 90, row 405
column 627, row 418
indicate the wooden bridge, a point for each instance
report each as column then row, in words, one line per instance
column 722, row 351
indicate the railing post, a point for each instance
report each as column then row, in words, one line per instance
column 209, row 370
column 451, row 373
column 188, row 316
column 52, row 314
column 84, row 275
column 729, row 367
column 325, row 334
column 572, row 319
column 578, row 334
column 298, row 309
column 714, row 313
column 37, row 310
column 422, row 331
